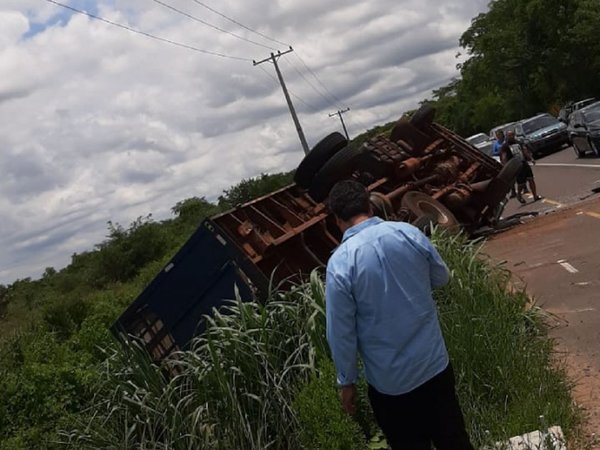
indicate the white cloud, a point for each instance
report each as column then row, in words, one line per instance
column 98, row 123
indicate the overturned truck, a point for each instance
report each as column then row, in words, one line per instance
column 421, row 173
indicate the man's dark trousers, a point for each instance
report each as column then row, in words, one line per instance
column 428, row 414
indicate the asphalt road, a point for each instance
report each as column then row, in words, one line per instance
column 556, row 256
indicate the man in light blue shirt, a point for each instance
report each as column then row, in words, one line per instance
column 379, row 304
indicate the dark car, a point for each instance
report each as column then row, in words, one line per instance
column 584, row 130
column 566, row 111
column 542, row 133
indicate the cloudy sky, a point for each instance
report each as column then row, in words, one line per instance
column 98, row 123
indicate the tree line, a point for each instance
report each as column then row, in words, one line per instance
column 524, row 57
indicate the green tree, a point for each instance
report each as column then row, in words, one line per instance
column 525, row 57
column 252, row 188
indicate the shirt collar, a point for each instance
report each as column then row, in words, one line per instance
column 355, row 229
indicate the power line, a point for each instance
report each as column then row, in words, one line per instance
column 360, row 123
column 241, row 24
column 317, row 78
column 311, row 107
column 203, row 22
column 311, row 85
column 143, row 33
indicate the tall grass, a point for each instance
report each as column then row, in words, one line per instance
column 233, row 389
column 507, row 373
column 261, row 377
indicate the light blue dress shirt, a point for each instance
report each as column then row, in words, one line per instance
column 379, row 304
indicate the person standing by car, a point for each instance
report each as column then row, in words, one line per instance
column 498, row 143
column 511, row 149
column 379, row 303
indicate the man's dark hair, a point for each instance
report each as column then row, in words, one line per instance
column 348, row 199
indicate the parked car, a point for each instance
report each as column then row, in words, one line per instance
column 542, row 133
column 584, row 130
column 482, row 142
column 504, row 127
column 565, row 112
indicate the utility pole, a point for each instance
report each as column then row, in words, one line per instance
column 273, row 59
column 339, row 113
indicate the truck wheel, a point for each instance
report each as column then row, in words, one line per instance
column 340, row 166
column 423, row 117
column 420, row 204
column 317, row 157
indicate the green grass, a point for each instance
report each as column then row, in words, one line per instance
column 261, row 378
column 507, row 373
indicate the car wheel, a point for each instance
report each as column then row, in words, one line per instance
column 339, row 167
column 317, row 157
column 578, row 152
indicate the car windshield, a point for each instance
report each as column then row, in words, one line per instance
column 584, row 103
column 478, row 139
column 539, row 122
column 593, row 115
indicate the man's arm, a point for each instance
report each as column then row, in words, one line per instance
column 440, row 275
column 341, row 328
column 438, row 271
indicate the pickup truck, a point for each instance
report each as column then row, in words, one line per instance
column 421, row 173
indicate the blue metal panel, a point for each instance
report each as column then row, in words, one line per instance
column 202, row 275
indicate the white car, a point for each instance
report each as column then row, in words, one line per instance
column 482, row 142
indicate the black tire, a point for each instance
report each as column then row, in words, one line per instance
column 423, row 117
column 340, row 166
column 420, row 204
column 499, row 187
column 577, row 150
column 317, row 157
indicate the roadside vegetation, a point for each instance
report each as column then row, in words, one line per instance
column 262, row 373
column 54, row 331
column 523, row 57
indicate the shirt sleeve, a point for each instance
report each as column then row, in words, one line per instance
column 341, row 328
column 438, row 271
